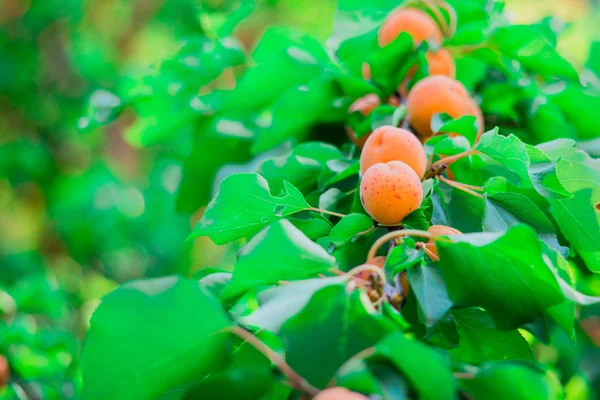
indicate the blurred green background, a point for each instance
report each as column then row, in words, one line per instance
column 82, row 207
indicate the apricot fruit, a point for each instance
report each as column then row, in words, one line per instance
column 440, row 62
column 420, row 25
column 390, row 191
column 378, row 262
column 4, row 371
column 439, row 94
column 388, row 143
column 365, row 105
column 440, row 230
column 339, row 393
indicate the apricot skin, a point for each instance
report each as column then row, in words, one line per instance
column 440, row 230
column 415, row 22
column 339, row 393
column 389, row 143
column 390, row 191
column 378, row 262
column 365, row 105
column 4, row 371
column 440, row 62
column 439, row 94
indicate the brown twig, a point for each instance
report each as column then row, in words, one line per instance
column 294, row 378
column 394, row 235
column 449, row 160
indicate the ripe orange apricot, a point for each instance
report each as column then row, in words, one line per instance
column 390, row 191
column 440, row 62
column 365, row 105
column 378, row 261
column 4, row 371
column 415, row 22
column 339, row 393
column 440, row 230
column 439, row 94
column 388, row 143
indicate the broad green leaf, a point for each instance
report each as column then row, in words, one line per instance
column 503, row 210
column 348, row 227
column 532, row 49
column 200, row 166
column 426, row 370
column 577, row 217
column 301, row 168
column 542, row 171
column 503, row 380
column 579, row 106
column 248, row 374
column 481, row 341
column 278, row 252
column 521, row 165
column 314, row 228
column 465, row 126
column 243, row 206
column 284, row 59
column 333, row 327
column 391, row 63
column 480, row 269
column 286, row 123
column 430, row 290
column 279, row 304
column 174, row 317
column 402, row 257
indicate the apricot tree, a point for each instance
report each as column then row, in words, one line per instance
column 376, row 272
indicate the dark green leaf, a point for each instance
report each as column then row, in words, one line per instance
column 481, row 341
column 480, row 269
column 334, row 326
column 175, row 317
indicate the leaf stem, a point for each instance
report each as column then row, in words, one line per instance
column 394, row 235
column 451, row 159
column 459, row 186
column 320, row 210
column 431, row 254
column 295, row 379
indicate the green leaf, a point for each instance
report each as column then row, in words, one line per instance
column 502, row 380
column 402, row 257
column 243, row 206
column 465, row 126
column 284, row 59
column 480, row 269
column 426, row 370
column 314, row 228
column 391, row 63
column 279, row 304
column 503, row 210
column 577, row 217
column 481, row 341
column 200, row 166
column 301, row 168
column 579, row 105
column 348, row 227
column 174, row 317
column 286, row 123
column 430, row 291
column 279, row 252
column 334, row 326
column 532, row 49
column 523, row 166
